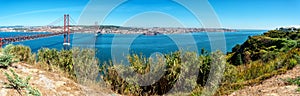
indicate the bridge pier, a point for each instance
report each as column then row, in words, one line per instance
column 67, row 30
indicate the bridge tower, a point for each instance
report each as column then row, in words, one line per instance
column 67, row 30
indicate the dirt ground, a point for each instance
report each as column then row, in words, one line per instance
column 274, row 86
column 49, row 83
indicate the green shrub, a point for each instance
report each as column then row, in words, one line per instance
column 20, row 52
column 294, row 81
column 48, row 57
column 6, row 60
column 177, row 73
column 268, row 56
column 17, row 83
column 79, row 64
column 32, row 59
column 85, row 65
column 65, row 61
column 33, row 92
column 141, row 65
column 204, row 69
column 231, row 74
column 7, row 48
column 293, row 62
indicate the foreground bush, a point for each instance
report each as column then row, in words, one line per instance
column 80, row 64
column 176, row 76
column 17, row 83
column 48, row 57
column 294, row 81
column 19, row 52
column 6, row 61
column 85, row 65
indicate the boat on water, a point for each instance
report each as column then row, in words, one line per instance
column 99, row 33
column 152, row 33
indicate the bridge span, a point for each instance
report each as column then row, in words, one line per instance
column 66, row 33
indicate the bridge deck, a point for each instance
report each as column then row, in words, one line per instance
column 9, row 40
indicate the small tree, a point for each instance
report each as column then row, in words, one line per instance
column 238, row 59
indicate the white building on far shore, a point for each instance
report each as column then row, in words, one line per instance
column 289, row 28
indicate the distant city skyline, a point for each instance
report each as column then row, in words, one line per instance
column 234, row 14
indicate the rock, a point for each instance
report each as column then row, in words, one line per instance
column 3, row 92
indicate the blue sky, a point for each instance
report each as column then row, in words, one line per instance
column 241, row 14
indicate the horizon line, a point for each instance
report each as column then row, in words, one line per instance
column 136, row 27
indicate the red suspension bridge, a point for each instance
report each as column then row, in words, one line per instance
column 66, row 33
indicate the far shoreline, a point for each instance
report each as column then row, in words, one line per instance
column 104, row 29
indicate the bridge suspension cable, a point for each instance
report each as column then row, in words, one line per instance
column 73, row 21
column 58, row 20
column 66, row 32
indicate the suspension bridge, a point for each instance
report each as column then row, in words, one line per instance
column 66, row 33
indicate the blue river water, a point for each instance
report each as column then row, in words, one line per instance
column 140, row 44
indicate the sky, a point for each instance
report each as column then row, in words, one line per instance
column 237, row 14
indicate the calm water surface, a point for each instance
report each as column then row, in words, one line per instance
column 141, row 44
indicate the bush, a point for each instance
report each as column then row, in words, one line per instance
column 293, row 62
column 85, row 66
column 7, row 48
column 19, row 52
column 177, row 74
column 17, row 83
column 48, row 57
column 141, row 65
column 6, row 60
column 65, row 61
column 204, row 64
column 79, row 64
column 230, row 74
column 268, row 56
column 294, row 81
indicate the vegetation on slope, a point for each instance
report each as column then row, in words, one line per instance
column 176, row 64
column 17, row 83
column 259, row 58
column 5, row 61
column 8, row 56
column 263, row 47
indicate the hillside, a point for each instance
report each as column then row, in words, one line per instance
column 271, row 58
column 264, row 47
column 275, row 86
column 48, row 83
column 51, row 73
column 260, row 60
